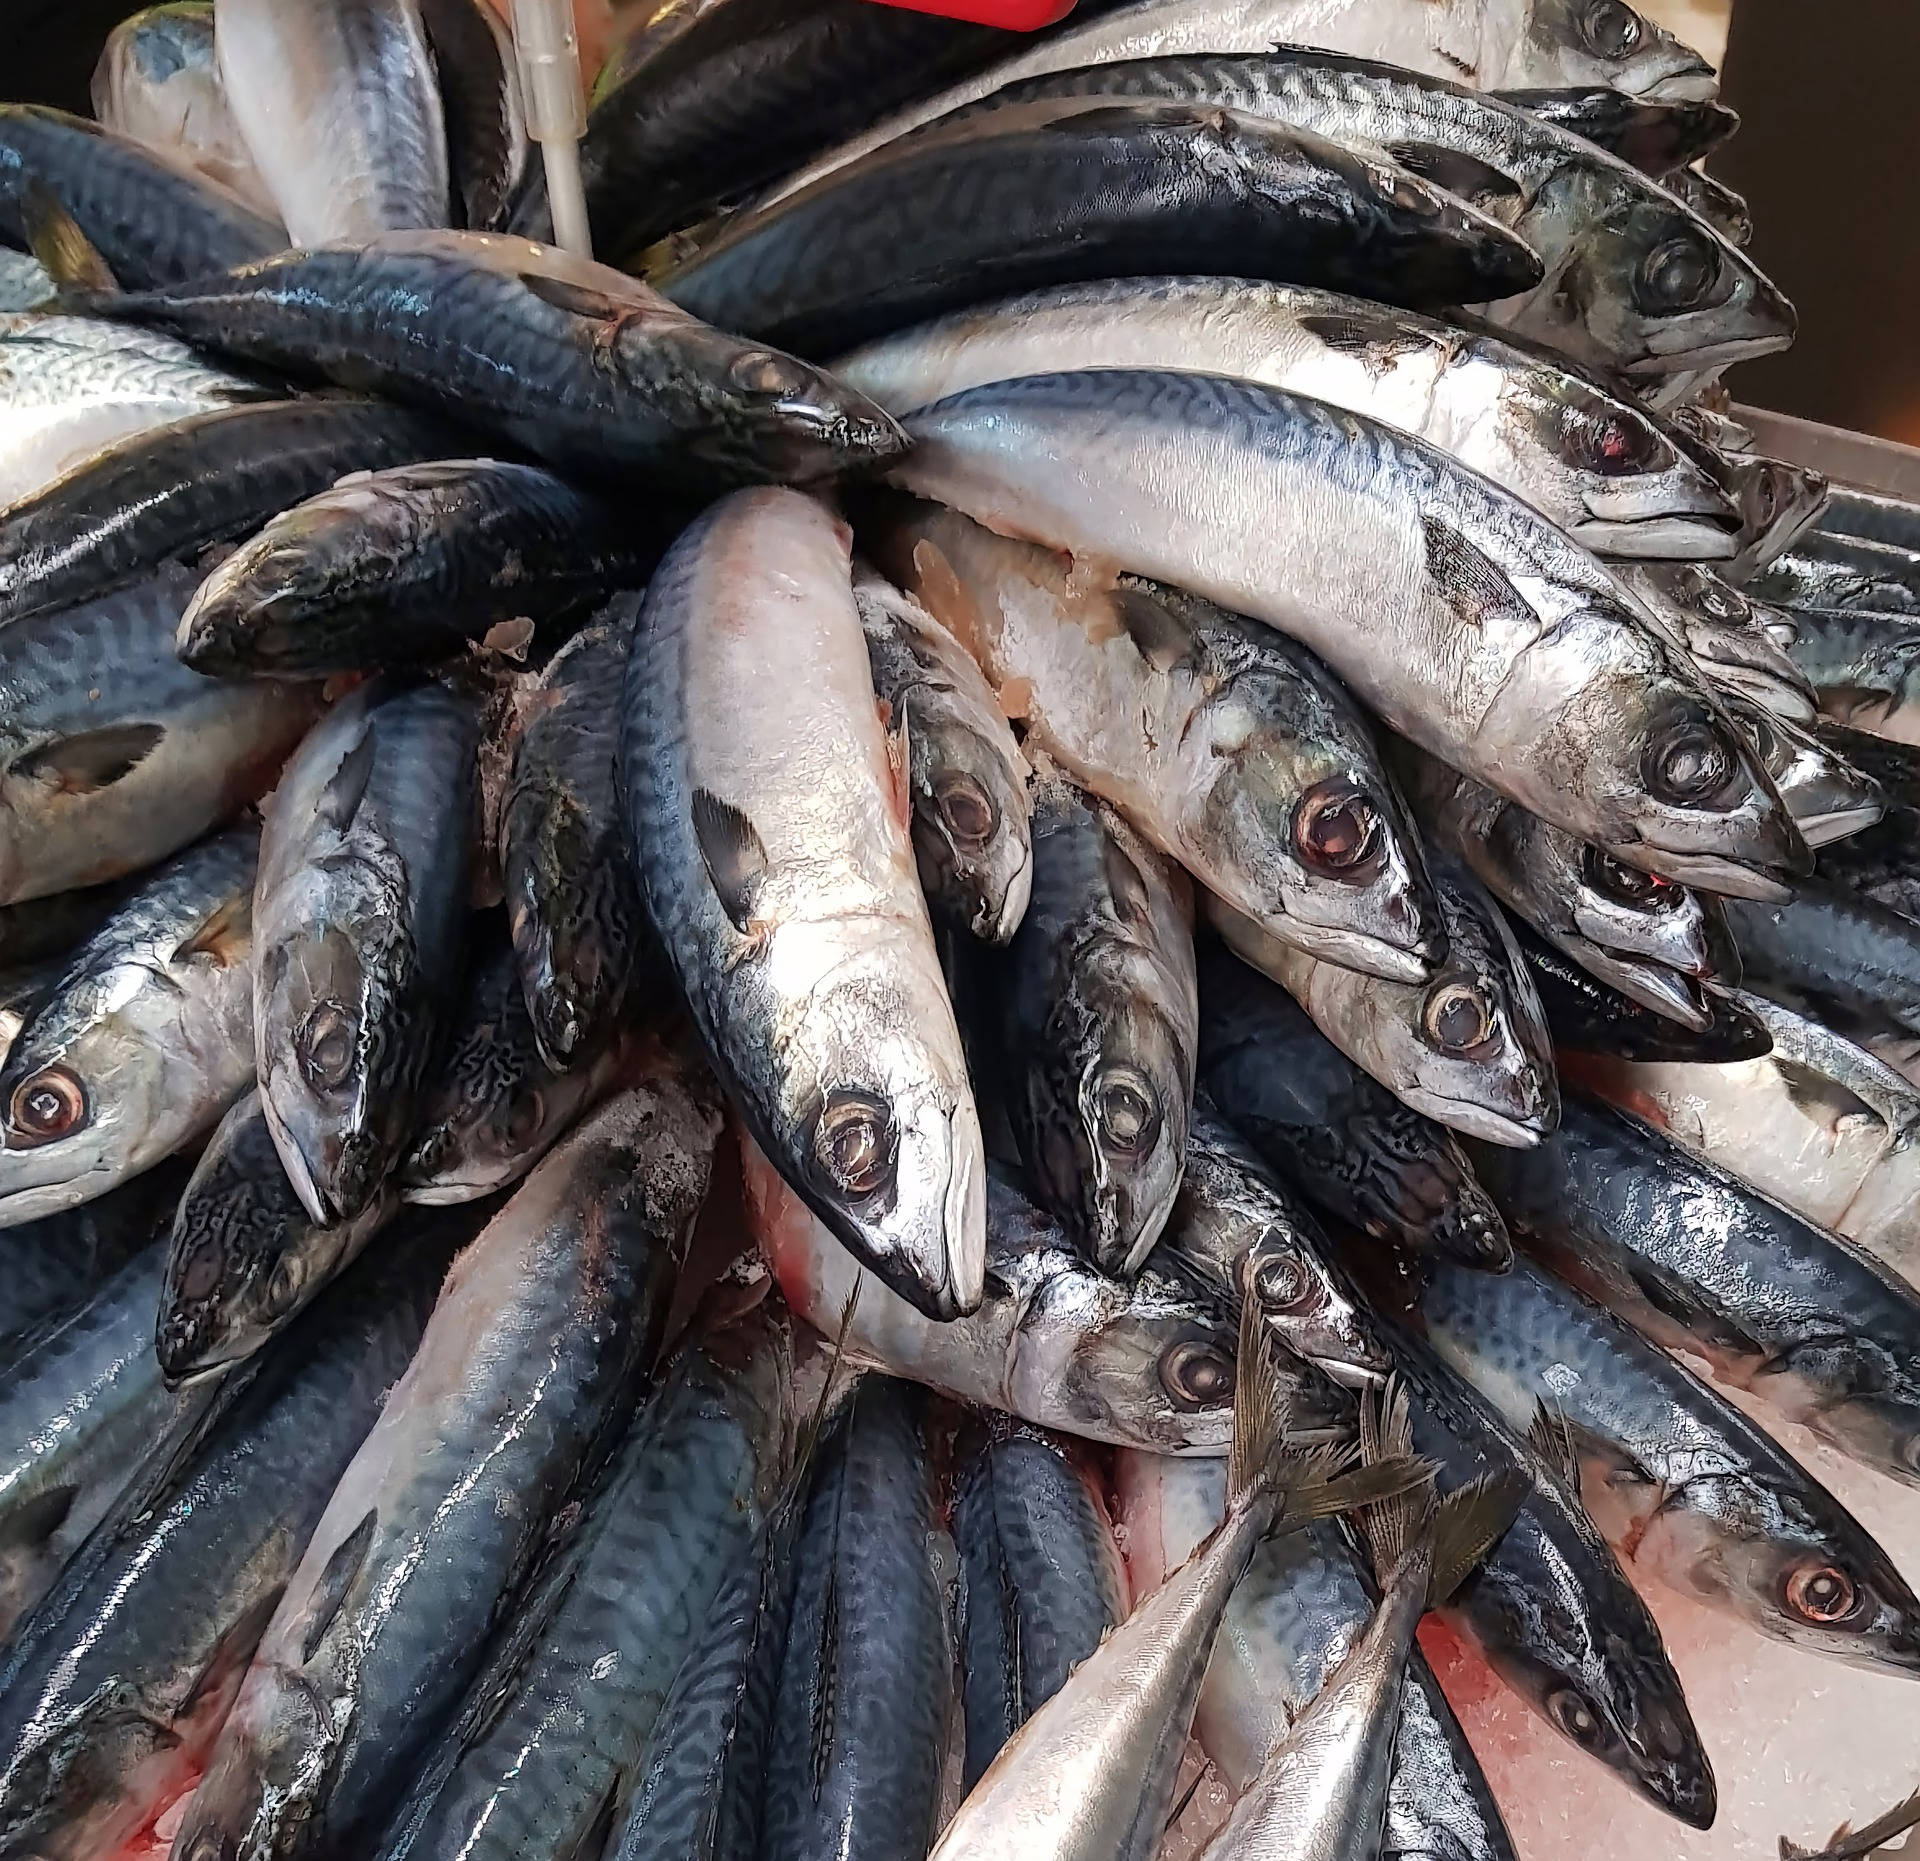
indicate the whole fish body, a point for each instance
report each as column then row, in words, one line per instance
column 1469, row 1048
column 158, row 82
column 771, row 830
column 865, row 1686
column 83, row 1408
column 1550, row 1609
column 361, row 904
column 116, row 754
column 1231, row 748
column 1041, row 1580
column 1658, row 288
column 1490, row 44
column 479, row 80
column 1655, row 136
column 340, row 109
column 1583, row 455
column 407, row 565
column 1086, row 189
column 70, row 385
column 573, row 897
column 1685, row 1485
column 166, row 495
column 1307, row 513
column 1338, row 1136
column 145, row 1040
column 564, row 1719
column 577, row 363
column 1099, row 1026
column 1146, row 1364
column 971, row 827
column 494, row 1107
column 153, row 222
column 116, row 1684
column 1690, row 1256
column 1293, row 1618
column 541, row 1335
column 244, row 1256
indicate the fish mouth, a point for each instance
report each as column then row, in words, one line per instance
column 1668, row 71
column 1481, row 1121
column 1836, row 817
column 1358, row 950
column 1013, row 903
column 1713, row 872
column 1721, row 354
column 1670, row 535
column 1674, row 940
column 1658, row 989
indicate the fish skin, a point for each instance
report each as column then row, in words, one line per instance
column 145, row 1040
column 1879, row 862
column 115, row 1685
column 1041, row 1582
column 1848, row 960
column 155, row 224
column 157, row 81
column 962, row 758
column 361, row 907
column 71, row 385
column 244, row 1256
column 1695, row 1260
column 55, row 1264
column 1550, row 43
column 1872, row 516
column 771, row 832
column 572, row 894
column 1550, row 1609
column 1470, row 1048
column 410, row 564
column 24, row 283
column 1686, row 1488
column 1099, row 1027
column 865, row 1687
column 1316, row 491
column 1302, row 1604
column 495, row 1108
column 479, row 80
column 1223, row 742
column 1581, row 453
column 115, row 754
column 564, row 1721
column 82, row 1411
column 576, row 363
column 1082, row 191
column 1063, row 1347
column 1667, row 1016
column 340, row 109
column 1655, row 137
column 1339, row 1137
column 1864, row 666
column 166, row 495
column 41, row 930
column 538, row 1344
column 1599, row 226
column 1824, row 570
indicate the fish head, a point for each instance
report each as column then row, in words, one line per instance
column 1776, row 499
column 1639, row 914
column 1801, row 1571
column 1657, row 290
column 880, row 1133
column 1580, row 42
column 254, row 606
column 75, row 1761
column 971, row 833
column 1827, row 796
column 747, row 413
column 270, row 1771
column 1635, row 493
column 327, row 1052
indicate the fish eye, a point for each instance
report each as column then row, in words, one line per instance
column 1336, row 828
column 1717, row 601
column 1611, row 29
column 284, row 1285
column 1628, row 885
column 1820, row 1593
column 854, row 1143
column 1197, row 1375
column 1575, row 1717
column 1676, row 276
column 528, row 1115
column 1766, row 496
column 1456, row 1017
column 201, row 1273
column 966, row 809
column 1690, row 764
column 1125, row 1111
column 50, row 1105
column 760, row 371
column 324, row 1046
column 1280, row 1282
column 1610, row 441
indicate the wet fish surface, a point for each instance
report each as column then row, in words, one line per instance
column 479, row 78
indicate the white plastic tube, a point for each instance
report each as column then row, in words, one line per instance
column 549, row 53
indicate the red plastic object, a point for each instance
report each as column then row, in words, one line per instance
column 1014, row 15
